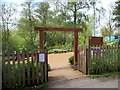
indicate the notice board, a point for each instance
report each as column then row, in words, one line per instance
column 93, row 41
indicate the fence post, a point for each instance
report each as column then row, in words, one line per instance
column 28, row 68
column 23, row 62
column 9, row 79
column 46, row 66
column 32, row 57
column 37, row 70
column 78, row 56
column 89, row 59
column 3, row 68
column 14, row 78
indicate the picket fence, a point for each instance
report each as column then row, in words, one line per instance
column 99, row 59
column 21, row 69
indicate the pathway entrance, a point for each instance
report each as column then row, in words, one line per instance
column 61, row 68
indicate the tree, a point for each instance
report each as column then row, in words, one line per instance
column 98, row 13
column 108, row 28
column 116, row 13
column 42, row 14
column 78, row 17
column 7, row 23
column 26, row 25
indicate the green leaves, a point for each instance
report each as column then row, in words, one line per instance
column 116, row 12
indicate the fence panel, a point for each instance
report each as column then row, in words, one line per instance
column 103, row 59
column 23, row 69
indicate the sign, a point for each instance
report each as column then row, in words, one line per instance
column 93, row 41
column 110, row 39
column 41, row 57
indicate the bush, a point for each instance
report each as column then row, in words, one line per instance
column 49, row 67
column 71, row 60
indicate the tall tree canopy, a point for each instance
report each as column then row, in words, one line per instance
column 117, row 14
column 26, row 25
column 7, row 22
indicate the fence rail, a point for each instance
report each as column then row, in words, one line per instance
column 23, row 69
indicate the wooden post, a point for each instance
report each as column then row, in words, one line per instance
column 75, row 48
column 41, row 40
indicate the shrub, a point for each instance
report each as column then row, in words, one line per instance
column 71, row 60
column 49, row 67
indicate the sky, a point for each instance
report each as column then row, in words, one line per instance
column 106, row 4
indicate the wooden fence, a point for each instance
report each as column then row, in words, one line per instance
column 23, row 69
column 99, row 59
column 104, row 59
column 82, row 60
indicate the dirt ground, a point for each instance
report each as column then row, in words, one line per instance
column 61, row 68
column 59, row 60
column 63, row 76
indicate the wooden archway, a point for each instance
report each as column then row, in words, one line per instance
column 75, row 30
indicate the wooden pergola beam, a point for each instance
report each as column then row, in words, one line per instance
column 58, row 29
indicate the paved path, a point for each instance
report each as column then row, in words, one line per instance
column 86, row 82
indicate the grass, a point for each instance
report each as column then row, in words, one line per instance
column 41, row 86
column 107, row 74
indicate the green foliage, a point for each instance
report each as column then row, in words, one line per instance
column 26, row 26
column 44, row 85
column 14, row 44
column 49, row 67
column 107, row 74
column 116, row 13
column 0, row 41
column 71, row 60
column 39, row 14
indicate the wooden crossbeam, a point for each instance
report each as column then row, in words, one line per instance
column 58, row 29
column 75, row 30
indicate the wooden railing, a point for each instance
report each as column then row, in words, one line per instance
column 23, row 69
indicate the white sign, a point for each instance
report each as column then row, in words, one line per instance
column 41, row 57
